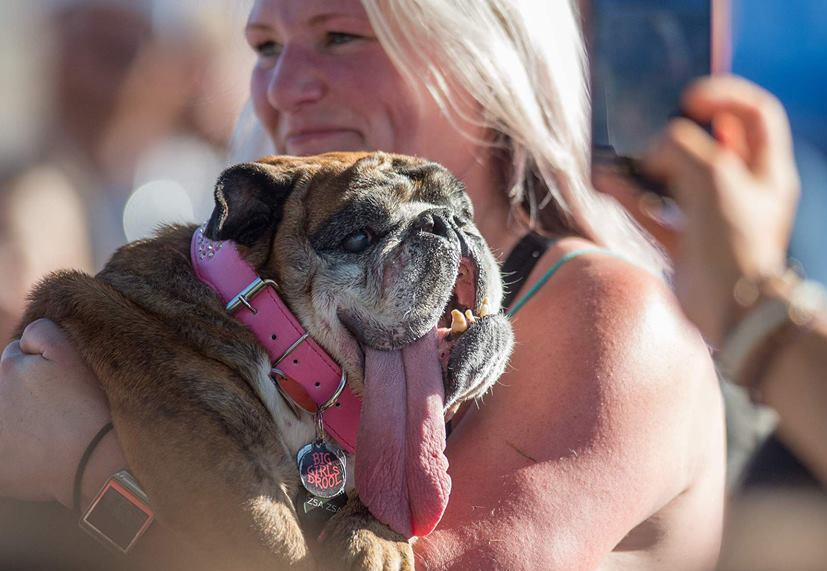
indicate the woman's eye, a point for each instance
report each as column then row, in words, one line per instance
column 267, row 49
column 357, row 242
column 340, row 38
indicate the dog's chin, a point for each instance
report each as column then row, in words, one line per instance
column 459, row 327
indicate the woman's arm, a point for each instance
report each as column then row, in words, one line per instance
column 50, row 409
column 795, row 385
column 51, row 406
column 609, row 412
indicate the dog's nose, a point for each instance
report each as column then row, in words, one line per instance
column 433, row 223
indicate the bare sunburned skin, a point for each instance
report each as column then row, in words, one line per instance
column 602, row 447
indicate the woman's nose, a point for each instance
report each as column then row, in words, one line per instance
column 295, row 80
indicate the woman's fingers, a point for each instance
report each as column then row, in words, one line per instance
column 764, row 121
column 50, row 407
column 10, row 353
column 647, row 209
column 692, row 162
column 44, row 337
column 662, row 219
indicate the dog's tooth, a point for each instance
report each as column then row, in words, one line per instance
column 458, row 323
column 470, row 317
column 484, row 309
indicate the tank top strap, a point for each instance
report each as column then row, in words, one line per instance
column 550, row 272
column 519, row 263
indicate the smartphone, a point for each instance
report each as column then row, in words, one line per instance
column 643, row 54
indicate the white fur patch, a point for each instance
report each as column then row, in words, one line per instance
column 296, row 432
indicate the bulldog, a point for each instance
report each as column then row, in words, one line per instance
column 378, row 257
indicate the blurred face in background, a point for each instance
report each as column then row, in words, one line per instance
column 96, row 45
column 322, row 82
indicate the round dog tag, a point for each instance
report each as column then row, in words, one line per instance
column 322, row 469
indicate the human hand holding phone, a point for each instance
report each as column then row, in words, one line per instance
column 643, row 55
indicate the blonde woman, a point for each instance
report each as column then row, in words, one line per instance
column 602, row 446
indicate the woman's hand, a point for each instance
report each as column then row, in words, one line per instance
column 738, row 192
column 51, row 407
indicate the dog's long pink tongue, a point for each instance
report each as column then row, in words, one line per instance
column 401, row 469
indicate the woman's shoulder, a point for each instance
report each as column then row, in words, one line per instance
column 598, row 295
column 609, row 402
column 612, row 337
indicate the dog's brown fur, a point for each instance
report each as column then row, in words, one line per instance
column 148, row 328
column 178, row 371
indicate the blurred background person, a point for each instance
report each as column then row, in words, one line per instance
column 738, row 193
column 782, row 47
column 116, row 115
column 777, row 471
column 120, row 115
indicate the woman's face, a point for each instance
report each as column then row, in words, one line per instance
column 322, row 82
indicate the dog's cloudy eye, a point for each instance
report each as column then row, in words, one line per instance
column 358, row 241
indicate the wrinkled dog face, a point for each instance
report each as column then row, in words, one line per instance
column 373, row 251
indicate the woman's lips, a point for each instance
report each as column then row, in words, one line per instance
column 315, row 141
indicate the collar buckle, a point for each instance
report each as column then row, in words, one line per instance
column 248, row 293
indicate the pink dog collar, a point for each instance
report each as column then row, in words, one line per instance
column 293, row 353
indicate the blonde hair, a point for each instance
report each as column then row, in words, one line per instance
column 524, row 63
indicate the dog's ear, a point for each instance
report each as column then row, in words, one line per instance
column 249, row 201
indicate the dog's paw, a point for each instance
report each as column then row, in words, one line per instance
column 356, row 541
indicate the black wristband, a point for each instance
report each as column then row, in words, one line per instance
column 84, row 460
